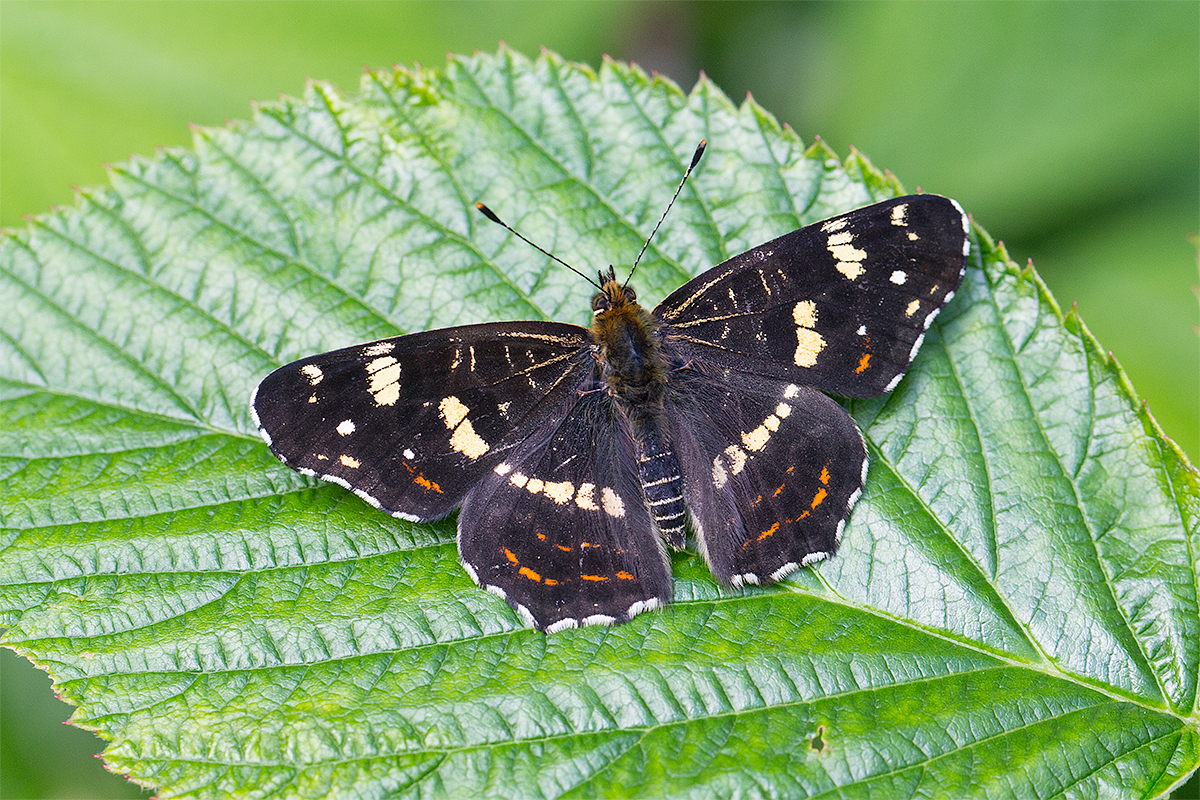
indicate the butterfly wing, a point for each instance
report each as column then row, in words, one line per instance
column 770, row 471
column 771, row 466
column 842, row 305
column 560, row 528
column 411, row 423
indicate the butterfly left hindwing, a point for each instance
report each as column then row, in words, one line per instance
column 560, row 528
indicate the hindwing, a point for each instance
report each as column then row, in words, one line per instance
column 560, row 527
column 411, row 423
column 842, row 305
column 771, row 470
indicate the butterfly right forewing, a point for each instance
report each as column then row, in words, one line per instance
column 842, row 305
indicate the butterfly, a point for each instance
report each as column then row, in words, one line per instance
column 576, row 455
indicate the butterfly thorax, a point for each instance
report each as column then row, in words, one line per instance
column 628, row 348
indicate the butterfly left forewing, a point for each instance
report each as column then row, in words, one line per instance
column 411, row 423
column 842, row 305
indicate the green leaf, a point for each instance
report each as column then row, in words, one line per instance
column 1013, row 613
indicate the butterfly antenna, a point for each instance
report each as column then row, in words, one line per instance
column 487, row 212
column 695, row 160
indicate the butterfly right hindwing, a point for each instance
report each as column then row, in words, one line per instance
column 770, row 469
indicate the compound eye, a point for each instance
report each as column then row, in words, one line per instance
column 599, row 302
column 630, row 294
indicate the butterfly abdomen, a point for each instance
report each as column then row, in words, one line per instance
column 662, row 482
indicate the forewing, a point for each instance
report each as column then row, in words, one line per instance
column 771, row 470
column 842, row 305
column 560, row 527
column 412, row 423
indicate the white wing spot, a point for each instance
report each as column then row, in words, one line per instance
column 805, row 314
column 898, row 277
column 912, row 308
column 518, row 479
column 535, row 485
column 757, row 439
column 346, row 427
column 809, row 343
column 612, row 503
column 849, row 257
column 737, row 458
column 409, row 454
column 313, row 373
column 782, row 410
column 834, row 225
column 719, row 475
column 898, row 214
column 862, row 330
column 560, row 493
column 453, row 411
column 503, row 468
column 585, row 498
column 384, row 380
column 378, row 349
column 464, row 439
column 352, row 463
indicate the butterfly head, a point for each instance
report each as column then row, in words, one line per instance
column 613, row 297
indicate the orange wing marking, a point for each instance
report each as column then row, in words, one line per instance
column 819, row 498
column 422, row 481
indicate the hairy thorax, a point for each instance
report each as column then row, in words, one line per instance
column 625, row 335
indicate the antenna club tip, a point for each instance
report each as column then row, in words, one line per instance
column 699, row 152
column 487, row 212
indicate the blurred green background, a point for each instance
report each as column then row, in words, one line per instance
column 1069, row 130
